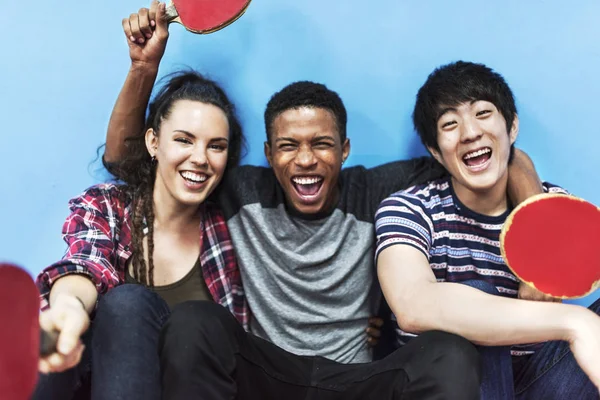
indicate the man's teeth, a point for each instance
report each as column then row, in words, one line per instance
column 307, row 180
column 477, row 153
column 192, row 176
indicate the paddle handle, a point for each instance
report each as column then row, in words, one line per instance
column 48, row 341
column 171, row 13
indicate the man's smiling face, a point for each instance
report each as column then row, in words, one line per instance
column 306, row 154
column 474, row 144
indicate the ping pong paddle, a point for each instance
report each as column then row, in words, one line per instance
column 551, row 241
column 20, row 333
column 205, row 16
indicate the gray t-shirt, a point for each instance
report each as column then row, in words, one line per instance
column 311, row 283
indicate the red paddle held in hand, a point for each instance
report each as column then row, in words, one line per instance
column 205, row 16
column 552, row 242
column 19, row 333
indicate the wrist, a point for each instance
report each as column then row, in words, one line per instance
column 144, row 67
column 71, row 300
column 577, row 321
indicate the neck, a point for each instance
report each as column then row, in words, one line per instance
column 491, row 202
column 171, row 214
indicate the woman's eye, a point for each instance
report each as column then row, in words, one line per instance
column 218, row 147
column 183, row 140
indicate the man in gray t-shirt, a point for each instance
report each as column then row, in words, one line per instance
column 303, row 231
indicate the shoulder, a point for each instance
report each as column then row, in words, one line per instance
column 409, row 166
column 426, row 195
column 394, row 169
column 247, row 181
column 104, row 196
column 412, row 171
column 246, row 185
column 353, row 175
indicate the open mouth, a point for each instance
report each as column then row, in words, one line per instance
column 194, row 180
column 308, row 187
column 477, row 159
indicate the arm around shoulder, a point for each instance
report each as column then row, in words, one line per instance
column 523, row 180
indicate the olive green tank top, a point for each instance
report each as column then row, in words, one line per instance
column 191, row 287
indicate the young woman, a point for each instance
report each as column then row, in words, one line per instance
column 139, row 248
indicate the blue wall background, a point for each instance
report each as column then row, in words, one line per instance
column 62, row 65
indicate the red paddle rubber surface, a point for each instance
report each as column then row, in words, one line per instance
column 208, row 15
column 553, row 243
column 19, row 333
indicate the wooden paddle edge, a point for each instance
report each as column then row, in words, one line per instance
column 218, row 27
column 506, row 227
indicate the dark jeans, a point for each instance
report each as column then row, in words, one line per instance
column 121, row 350
column 205, row 354
column 550, row 373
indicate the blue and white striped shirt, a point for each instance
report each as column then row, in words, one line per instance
column 459, row 243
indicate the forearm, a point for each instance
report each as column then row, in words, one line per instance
column 78, row 286
column 483, row 318
column 523, row 180
column 127, row 118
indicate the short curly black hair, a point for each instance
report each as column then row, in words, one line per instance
column 306, row 94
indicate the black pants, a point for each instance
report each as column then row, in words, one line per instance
column 205, row 354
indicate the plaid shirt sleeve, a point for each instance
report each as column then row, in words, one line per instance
column 219, row 266
column 90, row 232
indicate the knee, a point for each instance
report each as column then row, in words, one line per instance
column 127, row 301
column 204, row 318
column 455, row 348
column 200, row 325
column 456, row 367
column 484, row 286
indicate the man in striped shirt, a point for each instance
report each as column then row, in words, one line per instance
column 435, row 235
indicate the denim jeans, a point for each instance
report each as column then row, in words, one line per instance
column 121, row 350
column 550, row 373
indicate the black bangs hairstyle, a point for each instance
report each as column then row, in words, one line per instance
column 456, row 83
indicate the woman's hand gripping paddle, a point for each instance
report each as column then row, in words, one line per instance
column 552, row 242
column 205, row 16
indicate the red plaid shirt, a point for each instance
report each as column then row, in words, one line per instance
column 98, row 235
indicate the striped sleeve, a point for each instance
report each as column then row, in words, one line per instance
column 401, row 219
column 552, row 188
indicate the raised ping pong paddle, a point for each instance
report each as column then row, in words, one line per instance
column 205, row 16
column 19, row 333
column 551, row 242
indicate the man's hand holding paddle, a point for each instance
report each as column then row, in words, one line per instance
column 147, row 33
column 526, row 292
